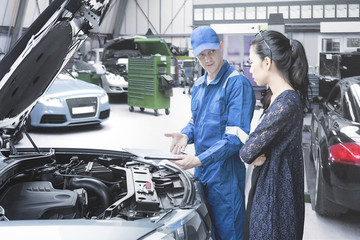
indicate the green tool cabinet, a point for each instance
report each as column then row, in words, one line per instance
column 149, row 82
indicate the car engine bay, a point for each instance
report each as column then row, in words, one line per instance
column 89, row 186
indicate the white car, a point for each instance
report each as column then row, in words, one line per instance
column 94, row 57
column 114, row 80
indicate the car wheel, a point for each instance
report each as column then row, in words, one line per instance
column 322, row 205
column 167, row 111
column 319, row 194
column 142, row 109
column 156, row 112
column 131, row 108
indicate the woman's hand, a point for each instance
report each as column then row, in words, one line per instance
column 259, row 161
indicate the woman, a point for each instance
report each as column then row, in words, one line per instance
column 275, row 207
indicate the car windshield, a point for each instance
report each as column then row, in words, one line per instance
column 79, row 65
column 355, row 105
column 115, row 53
column 120, row 48
column 356, row 92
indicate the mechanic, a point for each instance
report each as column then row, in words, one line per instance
column 222, row 107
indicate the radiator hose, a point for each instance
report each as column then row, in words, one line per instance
column 93, row 186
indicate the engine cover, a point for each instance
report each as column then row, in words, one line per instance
column 39, row 200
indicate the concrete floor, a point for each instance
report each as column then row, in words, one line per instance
column 137, row 129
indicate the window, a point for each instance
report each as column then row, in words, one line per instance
column 198, row 14
column 229, row 13
column 285, row 11
column 341, row 10
column 250, row 12
column 349, row 112
column 354, row 10
column 330, row 11
column 353, row 103
column 208, row 14
column 294, row 11
column 330, row 45
column 218, row 13
column 318, row 11
column 306, row 11
column 353, row 42
column 334, row 100
column 239, row 13
column 271, row 9
column 260, row 12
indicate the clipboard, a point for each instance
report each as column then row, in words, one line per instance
column 153, row 154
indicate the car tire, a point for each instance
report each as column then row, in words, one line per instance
column 323, row 206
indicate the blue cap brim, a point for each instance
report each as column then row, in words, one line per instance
column 205, row 46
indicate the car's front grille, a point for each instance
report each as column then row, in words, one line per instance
column 82, row 107
column 53, row 118
column 104, row 114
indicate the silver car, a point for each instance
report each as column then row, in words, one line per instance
column 70, row 102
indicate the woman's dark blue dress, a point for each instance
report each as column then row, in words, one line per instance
column 277, row 206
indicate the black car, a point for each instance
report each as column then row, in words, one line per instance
column 73, row 193
column 335, row 149
column 116, row 52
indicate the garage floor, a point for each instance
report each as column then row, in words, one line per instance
column 137, row 129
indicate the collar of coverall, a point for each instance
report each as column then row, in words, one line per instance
column 219, row 76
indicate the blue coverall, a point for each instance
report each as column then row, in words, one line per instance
column 221, row 117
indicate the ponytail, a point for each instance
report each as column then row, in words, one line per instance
column 290, row 59
column 298, row 72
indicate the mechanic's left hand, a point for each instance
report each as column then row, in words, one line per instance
column 187, row 161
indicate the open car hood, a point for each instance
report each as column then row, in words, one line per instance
column 83, row 193
column 33, row 63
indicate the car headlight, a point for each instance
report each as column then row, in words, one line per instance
column 167, row 234
column 104, row 98
column 184, row 226
column 50, row 101
column 178, row 234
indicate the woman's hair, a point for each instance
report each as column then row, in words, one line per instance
column 290, row 59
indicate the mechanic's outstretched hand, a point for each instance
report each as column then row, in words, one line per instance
column 178, row 143
column 187, row 161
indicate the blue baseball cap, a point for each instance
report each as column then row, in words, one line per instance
column 203, row 38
